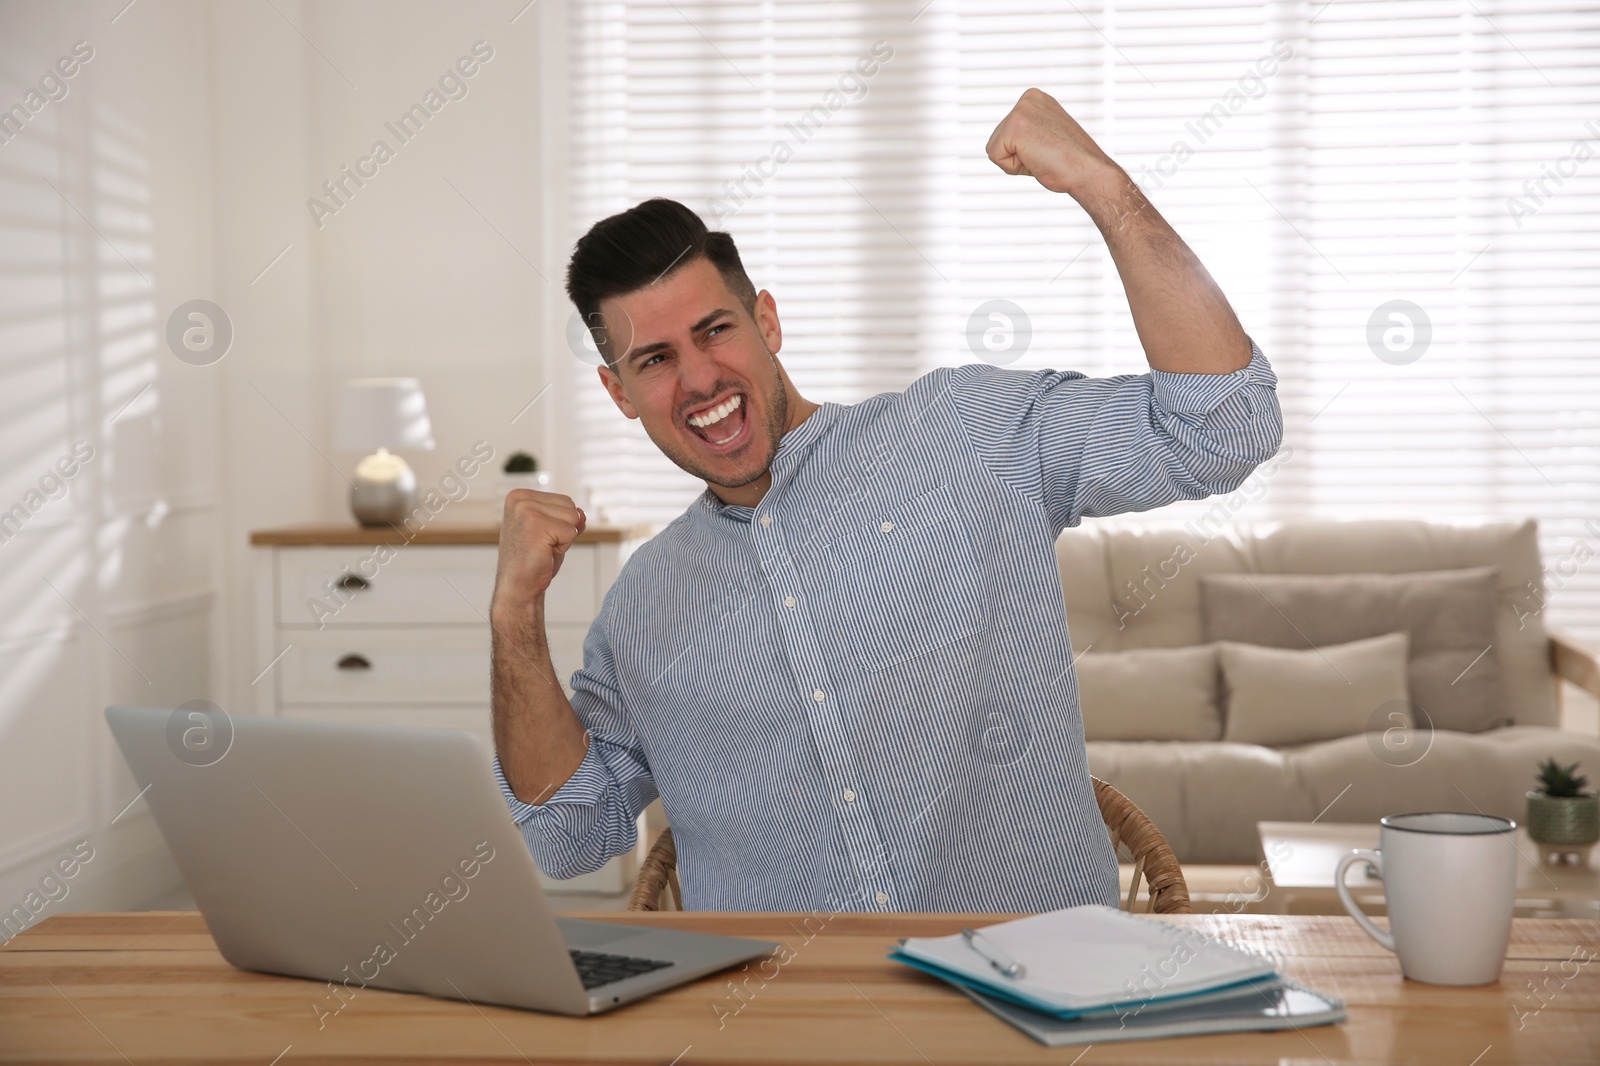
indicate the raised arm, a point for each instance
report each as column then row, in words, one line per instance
column 575, row 792
column 538, row 737
column 1183, row 320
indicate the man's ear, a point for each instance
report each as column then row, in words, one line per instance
column 766, row 318
column 613, row 385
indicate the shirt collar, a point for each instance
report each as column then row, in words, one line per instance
column 792, row 449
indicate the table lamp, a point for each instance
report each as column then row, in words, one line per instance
column 383, row 413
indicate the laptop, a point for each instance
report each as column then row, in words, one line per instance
column 385, row 857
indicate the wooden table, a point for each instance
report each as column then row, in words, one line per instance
column 151, row 988
column 1303, row 855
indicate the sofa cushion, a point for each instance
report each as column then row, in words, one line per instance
column 1449, row 616
column 1279, row 696
column 1488, row 773
column 1135, row 582
column 1153, row 694
column 1207, row 798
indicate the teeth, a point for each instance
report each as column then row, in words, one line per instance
column 717, row 413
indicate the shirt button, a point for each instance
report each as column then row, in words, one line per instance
column 766, row 520
column 883, row 899
column 849, row 795
column 818, row 696
column 790, row 602
column 886, row 527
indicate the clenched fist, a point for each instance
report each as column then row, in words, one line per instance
column 1039, row 139
column 536, row 530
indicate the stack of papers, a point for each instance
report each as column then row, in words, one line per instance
column 1094, row 973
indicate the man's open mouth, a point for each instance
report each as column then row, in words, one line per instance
column 721, row 425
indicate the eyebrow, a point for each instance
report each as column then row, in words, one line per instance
column 661, row 346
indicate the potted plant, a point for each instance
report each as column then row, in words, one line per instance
column 521, row 471
column 1563, row 816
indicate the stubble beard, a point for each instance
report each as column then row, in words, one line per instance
column 777, row 406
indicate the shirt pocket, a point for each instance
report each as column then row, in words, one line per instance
column 906, row 579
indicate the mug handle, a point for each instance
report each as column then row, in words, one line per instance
column 1376, row 859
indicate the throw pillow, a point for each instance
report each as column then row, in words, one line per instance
column 1150, row 694
column 1278, row 697
column 1449, row 616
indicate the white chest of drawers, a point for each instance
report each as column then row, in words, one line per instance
column 366, row 626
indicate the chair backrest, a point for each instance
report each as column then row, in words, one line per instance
column 1132, row 834
column 657, row 877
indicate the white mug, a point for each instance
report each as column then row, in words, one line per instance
column 1450, row 881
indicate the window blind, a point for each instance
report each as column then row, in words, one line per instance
column 1399, row 197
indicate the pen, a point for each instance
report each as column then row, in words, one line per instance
column 998, row 959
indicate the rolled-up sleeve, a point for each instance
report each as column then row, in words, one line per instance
column 1093, row 447
column 594, row 815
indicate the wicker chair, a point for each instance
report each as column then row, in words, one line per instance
column 1133, row 835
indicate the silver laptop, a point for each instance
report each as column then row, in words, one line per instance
column 382, row 857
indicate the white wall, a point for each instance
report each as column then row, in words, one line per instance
column 192, row 140
column 108, row 592
column 424, row 270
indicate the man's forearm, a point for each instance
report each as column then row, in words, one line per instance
column 1184, row 321
column 538, row 736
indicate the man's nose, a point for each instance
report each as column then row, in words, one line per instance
column 698, row 373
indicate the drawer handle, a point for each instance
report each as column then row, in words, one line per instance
column 355, row 662
column 354, row 583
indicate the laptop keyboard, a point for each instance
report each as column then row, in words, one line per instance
column 597, row 968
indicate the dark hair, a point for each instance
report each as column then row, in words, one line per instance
column 628, row 251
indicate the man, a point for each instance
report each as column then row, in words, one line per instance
column 845, row 669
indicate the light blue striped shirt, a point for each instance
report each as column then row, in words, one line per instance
column 859, row 694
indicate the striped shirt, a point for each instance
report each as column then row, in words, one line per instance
column 859, row 694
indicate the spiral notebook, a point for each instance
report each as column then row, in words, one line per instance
column 1088, row 960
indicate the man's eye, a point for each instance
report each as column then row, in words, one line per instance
column 714, row 330
column 650, row 360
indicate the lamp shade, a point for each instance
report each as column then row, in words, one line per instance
column 382, row 413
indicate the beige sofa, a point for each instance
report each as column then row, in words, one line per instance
column 1131, row 586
